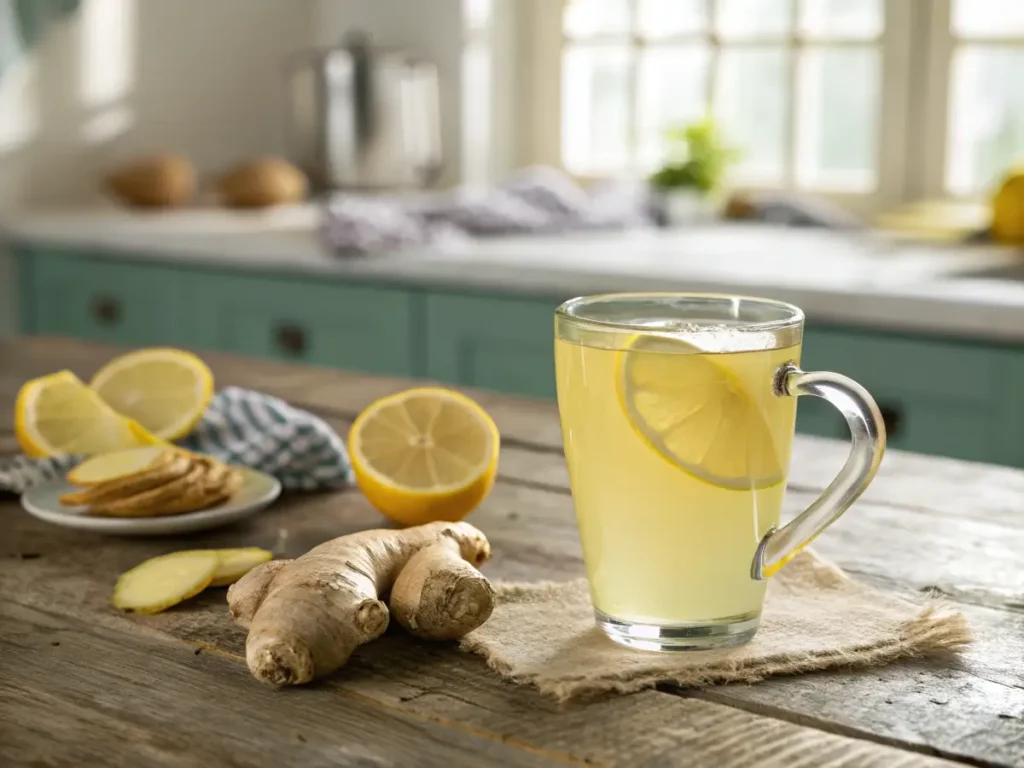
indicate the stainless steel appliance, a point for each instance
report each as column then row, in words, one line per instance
column 361, row 117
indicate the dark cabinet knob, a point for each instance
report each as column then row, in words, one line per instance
column 106, row 310
column 892, row 417
column 290, row 339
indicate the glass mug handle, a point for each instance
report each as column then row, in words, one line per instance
column 780, row 545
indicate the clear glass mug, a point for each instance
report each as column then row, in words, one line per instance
column 677, row 415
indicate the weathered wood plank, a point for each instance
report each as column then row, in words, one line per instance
column 393, row 679
column 166, row 705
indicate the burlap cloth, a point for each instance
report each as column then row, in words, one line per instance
column 815, row 617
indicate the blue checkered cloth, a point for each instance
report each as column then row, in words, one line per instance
column 239, row 427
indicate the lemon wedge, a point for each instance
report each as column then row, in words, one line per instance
column 165, row 390
column 696, row 413
column 425, row 454
column 58, row 414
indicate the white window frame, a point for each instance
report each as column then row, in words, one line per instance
column 933, row 109
column 916, row 47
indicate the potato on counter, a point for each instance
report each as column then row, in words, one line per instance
column 154, row 181
column 262, row 183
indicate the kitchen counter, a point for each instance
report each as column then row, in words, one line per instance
column 854, row 279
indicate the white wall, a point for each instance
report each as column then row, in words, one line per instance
column 130, row 76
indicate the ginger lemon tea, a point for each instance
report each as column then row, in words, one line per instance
column 677, row 426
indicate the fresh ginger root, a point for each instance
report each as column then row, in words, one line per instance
column 439, row 596
column 307, row 616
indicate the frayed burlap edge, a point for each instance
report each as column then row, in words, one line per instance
column 935, row 630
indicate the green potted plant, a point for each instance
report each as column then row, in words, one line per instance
column 691, row 178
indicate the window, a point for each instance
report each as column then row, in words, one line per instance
column 869, row 101
column 979, row 99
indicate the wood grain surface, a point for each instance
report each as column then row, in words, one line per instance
column 82, row 684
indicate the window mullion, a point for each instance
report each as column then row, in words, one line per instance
column 937, row 50
column 633, row 97
column 790, row 176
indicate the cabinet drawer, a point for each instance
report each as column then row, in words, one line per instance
column 112, row 301
column 936, row 397
column 494, row 343
column 964, row 431
column 911, row 367
column 355, row 327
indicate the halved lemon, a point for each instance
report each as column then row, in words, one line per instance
column 165, row 390
column 58, row 414
column 697, row 414
column 425, row 454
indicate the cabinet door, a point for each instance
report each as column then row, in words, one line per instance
column 67, row 294
column 936, row 396
column 498, row 343
column 352, row 326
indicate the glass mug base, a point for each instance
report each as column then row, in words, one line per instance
column 700, row 636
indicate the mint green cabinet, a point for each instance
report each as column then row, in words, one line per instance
column 358, row 327
column 937, row 396
column 99, row 300
column 491, row 341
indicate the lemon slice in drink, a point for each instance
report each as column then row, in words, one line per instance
column 58, row 414
column 425, row 454
column 165, row 390
column 696, row 413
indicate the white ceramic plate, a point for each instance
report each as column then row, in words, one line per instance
column 258, row 490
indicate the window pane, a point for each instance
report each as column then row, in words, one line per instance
column 996, row 18
column 751, row 102
column 986, row 109
column 753, row 18
column 842, row 18
column 837, row 126
column 672, row 90
column 596, row 17
column 595, row 108
column 661, row 18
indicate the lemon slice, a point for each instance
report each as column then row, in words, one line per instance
column 697, row 414
column 165, row 390
column 58, row 414
column 425, row 454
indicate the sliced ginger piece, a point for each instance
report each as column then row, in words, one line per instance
column 161, row 582
column 119, row 465
column 235, row 563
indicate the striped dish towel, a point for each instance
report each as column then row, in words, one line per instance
column 239, row 427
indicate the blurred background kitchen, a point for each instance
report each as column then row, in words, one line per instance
column 410, row 187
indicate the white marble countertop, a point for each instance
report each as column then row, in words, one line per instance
column 846, row 278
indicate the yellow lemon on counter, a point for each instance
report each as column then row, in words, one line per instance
column 424, row 455
column 165, row 390
column 58, row 414
column 1008, row 209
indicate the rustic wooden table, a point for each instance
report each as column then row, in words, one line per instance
column 81, row 684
